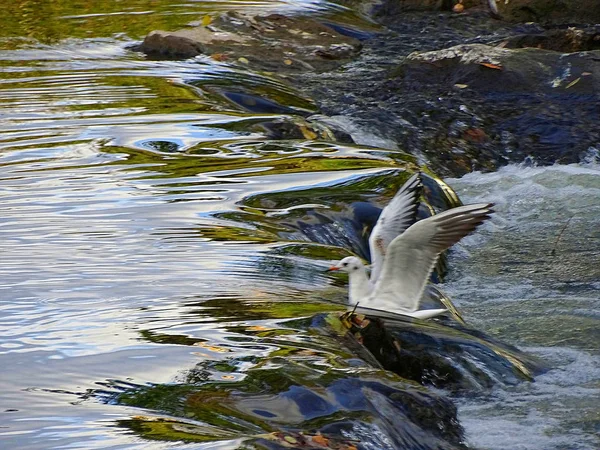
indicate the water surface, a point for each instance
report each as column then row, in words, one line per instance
column 144, row 215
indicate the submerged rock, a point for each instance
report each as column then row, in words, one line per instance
column 314, row 383
column 556, row 11
column 272, row 42
column 512, row 103
column 564, row 40
column 487, row 68
column 304, row 389
column 444, row 354
column 544, row 11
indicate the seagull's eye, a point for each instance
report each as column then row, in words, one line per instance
column 345, row 264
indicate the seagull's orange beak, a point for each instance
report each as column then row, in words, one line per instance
column 333, row 268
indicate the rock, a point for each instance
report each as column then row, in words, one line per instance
column 417, row 5
column 493, row 103
column 396, row 7
column 298, row 128
column 494, row 69
column 181, row 44
column 550, row 11
column 274, row 42
column 442, row 353
column 284, row 394
column 565, row 40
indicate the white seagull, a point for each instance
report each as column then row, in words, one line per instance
column 404, row 253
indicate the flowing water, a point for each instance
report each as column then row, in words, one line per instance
column 145, row 220
column 533, row 279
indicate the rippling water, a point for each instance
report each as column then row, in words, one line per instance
column 144, row 211
column 533, row 279
column 123, row 184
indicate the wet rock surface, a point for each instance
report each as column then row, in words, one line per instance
column 461, row 92
column 512, row 104
column 431, row 86
column 285, row 399
column 442, row 353
column 272, row 42
column 564, row 40
column 546, row 11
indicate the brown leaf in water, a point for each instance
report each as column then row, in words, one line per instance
column 307, row 133
column 491, row 66
column 320, row 440
column 458, row 8
column 219, row 56
column 212, row 348
column 475, row 135
column 258, row 328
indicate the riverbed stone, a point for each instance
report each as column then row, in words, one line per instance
column 565, row 40
column 550, row 11
column 493, row 69
column 519, row 104
column 273, row 42
column 444, row 354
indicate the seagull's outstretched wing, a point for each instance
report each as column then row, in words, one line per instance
column 395, row 218
column 412, row 255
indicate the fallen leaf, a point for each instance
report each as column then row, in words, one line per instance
column 212, row 348
column 318, row 439
column 491, row 66
column 288, row 62
column 243, row 60
column 206, row 20
column 148, row 418
column 258, row 328
column 573, row 83
column 475, row 135
column 458, row 8
column 308, row 134
column 219, row 56
column 290, row 439
column 461, row 86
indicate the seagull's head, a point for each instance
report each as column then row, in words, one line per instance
column 349, row 264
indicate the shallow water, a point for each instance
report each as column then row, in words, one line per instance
column 144, row 215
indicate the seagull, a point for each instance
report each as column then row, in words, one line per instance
column 404, row 253
column 396, row 217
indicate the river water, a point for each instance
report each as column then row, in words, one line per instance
column 135, row 199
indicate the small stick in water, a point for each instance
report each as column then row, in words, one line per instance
column 562, row 230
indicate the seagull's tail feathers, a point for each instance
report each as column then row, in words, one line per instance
column 426, row 313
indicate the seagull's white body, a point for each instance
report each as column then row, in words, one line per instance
column 404, row 253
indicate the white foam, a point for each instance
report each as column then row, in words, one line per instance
column 505, row 273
